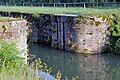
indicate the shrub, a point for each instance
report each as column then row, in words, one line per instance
column 8, row 56
column 113, row 45
column 12, row 66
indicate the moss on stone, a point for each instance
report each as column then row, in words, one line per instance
column 7, row 19
column 36, row 15
column 4, row 28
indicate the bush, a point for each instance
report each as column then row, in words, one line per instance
column 8, row 56
column 113, row 45
column 12, row 67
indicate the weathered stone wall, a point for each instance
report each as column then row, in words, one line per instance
column 89, row 34
column 82, row 34
column 86, row 34
column 15, row 31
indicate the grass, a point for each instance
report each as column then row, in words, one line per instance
column 12, row 67
column 61, row 10
column 22, row 74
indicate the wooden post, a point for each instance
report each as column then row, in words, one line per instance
column 9, row 14
column 93, row 5
column 84, row 5
column 64, row 5
column 7, row 4
column 54, row 5
column 31, row 5
column 23, row 5
column 42, row 5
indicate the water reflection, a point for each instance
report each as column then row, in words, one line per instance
column 112, row 63
column 84, row 67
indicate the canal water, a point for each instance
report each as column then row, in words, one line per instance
column 83, row 67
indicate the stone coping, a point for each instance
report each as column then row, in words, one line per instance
column 67, row 15
column 7, row 19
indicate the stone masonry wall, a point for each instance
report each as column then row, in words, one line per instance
column 15, row 31
column 89, row 34
column 82, row 34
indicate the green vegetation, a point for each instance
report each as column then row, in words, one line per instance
column 113, row 45
column 115, row 25
column 8, row 56
column 12, row 67
column 61, row 10
column 4, row 19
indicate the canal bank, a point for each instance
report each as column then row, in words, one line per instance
column 71, row 32
column 81, row 34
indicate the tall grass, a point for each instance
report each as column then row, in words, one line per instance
column 8, row 56
column 12, row 67
column 22, row 74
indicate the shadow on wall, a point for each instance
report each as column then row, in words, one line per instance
column 81, row 34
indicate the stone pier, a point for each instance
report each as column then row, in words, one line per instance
column 81, row 34
column 15, row 30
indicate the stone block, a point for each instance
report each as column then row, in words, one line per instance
column 15, row 31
